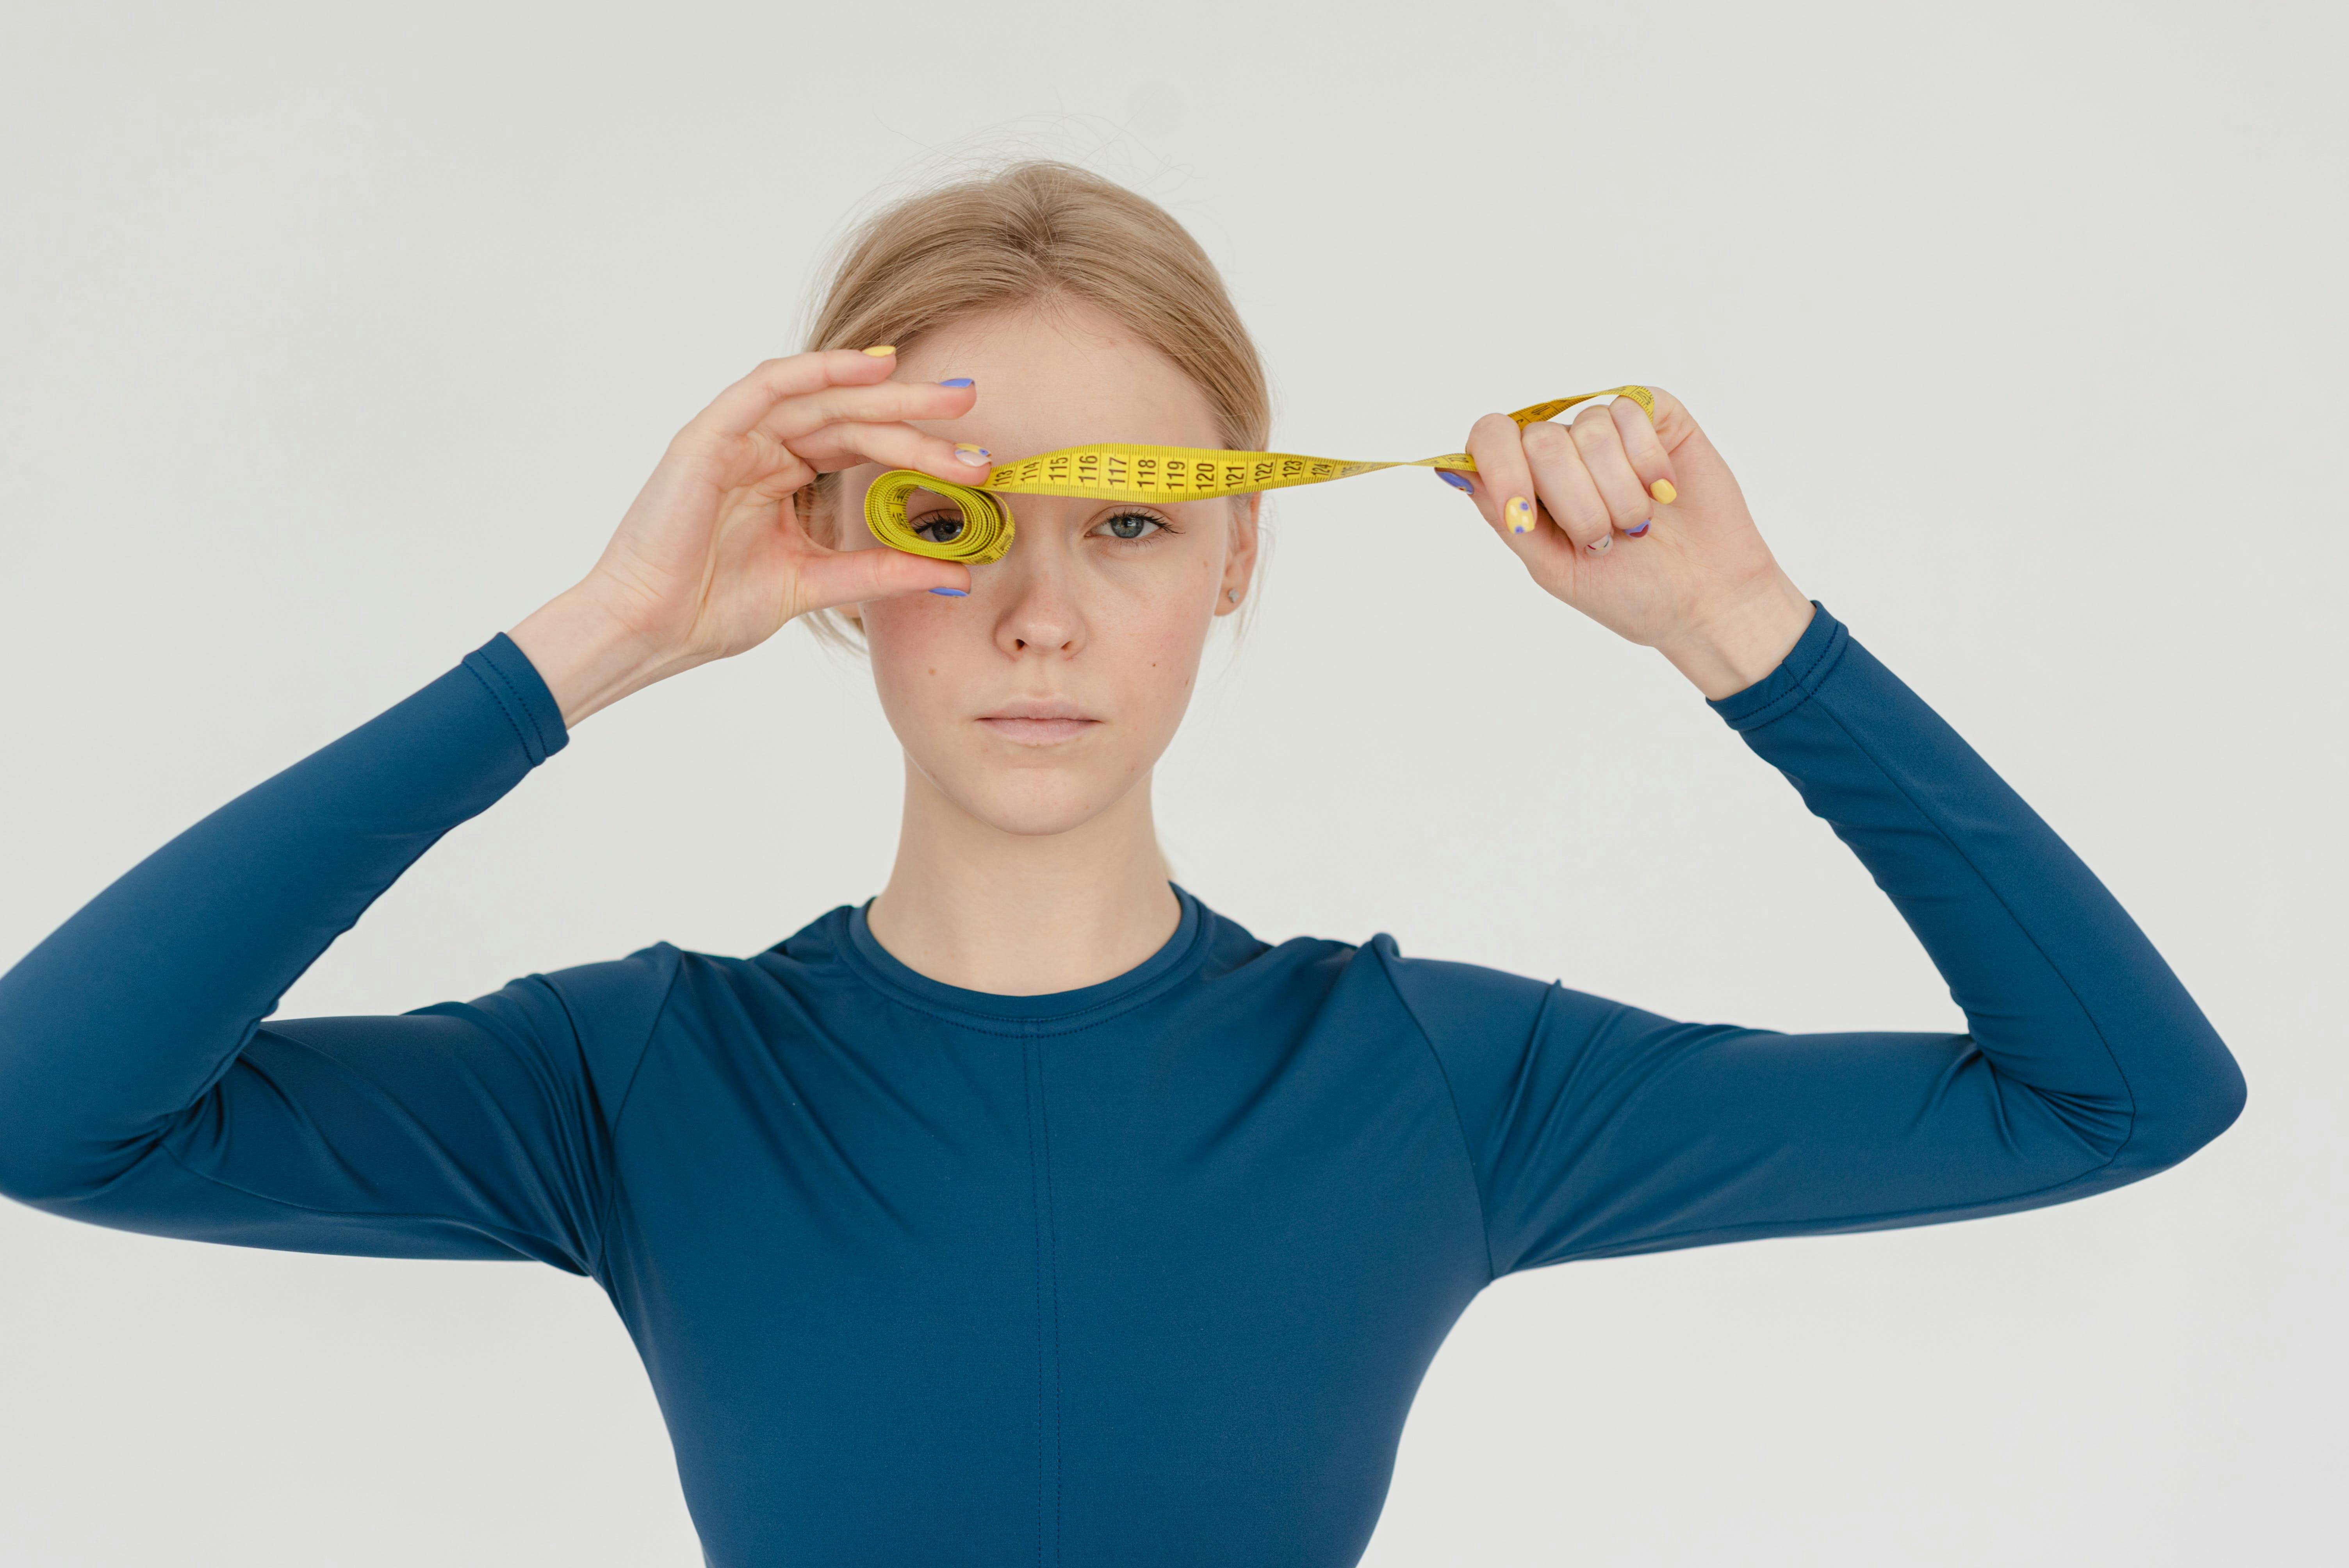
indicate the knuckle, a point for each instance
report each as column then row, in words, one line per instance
column 1546, row 440
column 1596, row 435
column 1582, row 519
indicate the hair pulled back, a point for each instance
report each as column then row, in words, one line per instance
column 1037, row 231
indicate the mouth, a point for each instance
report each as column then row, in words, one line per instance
column 1044, row 723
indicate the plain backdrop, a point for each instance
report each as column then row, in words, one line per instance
column 335, row 339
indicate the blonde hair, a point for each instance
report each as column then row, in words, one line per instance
column 1037, row 231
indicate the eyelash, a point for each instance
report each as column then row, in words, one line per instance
column 1164, row 526
column 917, row 524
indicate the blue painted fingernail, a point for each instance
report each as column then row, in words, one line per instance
column 957, row 381
column 953, row 592
column 1635, row 532
column 1454, row 480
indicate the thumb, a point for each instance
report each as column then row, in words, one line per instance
column 851, row 576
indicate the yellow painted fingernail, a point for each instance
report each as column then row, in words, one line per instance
column 1520, row 513
column 1662, row 490
column 879, row 349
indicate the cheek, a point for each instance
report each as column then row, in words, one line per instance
column 923, row 654
column 1151, row 652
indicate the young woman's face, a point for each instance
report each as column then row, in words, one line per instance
column 1048, row 693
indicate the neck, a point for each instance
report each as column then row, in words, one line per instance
column 1020, row 914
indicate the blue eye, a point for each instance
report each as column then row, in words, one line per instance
column 1133, row 525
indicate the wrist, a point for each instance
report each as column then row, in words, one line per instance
column 589, row 656
column 1740, row 642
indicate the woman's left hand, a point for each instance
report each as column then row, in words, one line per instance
column 1641, row 527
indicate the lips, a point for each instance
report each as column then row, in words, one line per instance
column 1037, row 731
column 1038, row 721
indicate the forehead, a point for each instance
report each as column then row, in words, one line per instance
column 1061, row 376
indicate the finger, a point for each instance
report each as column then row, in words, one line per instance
column 856, row 576
column 1600, row 443
column 1673, row 422
column 1644, row 446
column 795, row 416
column 739, row 407
column 1504, row 483
column 893, row 446
column 1566, row 490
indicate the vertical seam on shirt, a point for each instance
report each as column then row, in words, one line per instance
column 1459, row 1123
column 627, row 1097
column 1027, row 1104
column 1827, row 707
column 1052, row 1247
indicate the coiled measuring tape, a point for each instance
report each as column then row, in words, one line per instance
column 1117, row 472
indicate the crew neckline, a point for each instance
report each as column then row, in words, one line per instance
column 1079, row 1008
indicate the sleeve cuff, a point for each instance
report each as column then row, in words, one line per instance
column 514, row 684
column 1801, row 672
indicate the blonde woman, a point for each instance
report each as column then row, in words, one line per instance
column 1034, row 1213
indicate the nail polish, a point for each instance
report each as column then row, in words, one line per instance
column 880, row 350
column 1635, row 532
column 957, row 381
column 977, row 456
column 1454, row 480
column 1662, row 490
column 1520, row 513
column 1600, row 545
column 953, row 592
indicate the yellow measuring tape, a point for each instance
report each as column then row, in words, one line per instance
column 1114, row 472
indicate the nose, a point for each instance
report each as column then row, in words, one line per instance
column 1040, row 610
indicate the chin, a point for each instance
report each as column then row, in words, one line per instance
column 1033, row 802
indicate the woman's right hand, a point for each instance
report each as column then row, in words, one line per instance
column 711, row 560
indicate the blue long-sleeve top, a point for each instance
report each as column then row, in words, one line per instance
column 1144, row 1272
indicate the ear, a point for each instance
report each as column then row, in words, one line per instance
column 1239, row 554
column 817, row 509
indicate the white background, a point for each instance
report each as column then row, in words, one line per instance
column 335, row 339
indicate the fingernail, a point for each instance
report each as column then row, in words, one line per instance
column 957, row 381
column 1662, row 490
column 953, row 592
column 1635, row 532
column 1520, row 513
column 977, row 457
column 1454, row 480
column 879, row 349
column 1599, row 545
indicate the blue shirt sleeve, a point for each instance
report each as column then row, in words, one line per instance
column 140, row 1088
column 1598, row 1130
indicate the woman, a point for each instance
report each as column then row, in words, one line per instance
column 1033, row 1211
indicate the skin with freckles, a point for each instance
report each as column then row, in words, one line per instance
column 1096, row 619
column 1034, row 697
column 1032, row 710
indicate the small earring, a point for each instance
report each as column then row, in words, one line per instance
column 1233, row 594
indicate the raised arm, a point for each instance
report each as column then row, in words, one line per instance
column 139, row 1087
column 1598, row 1129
